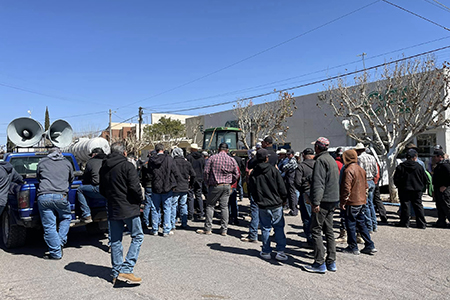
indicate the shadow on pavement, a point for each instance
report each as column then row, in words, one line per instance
column 101, row 272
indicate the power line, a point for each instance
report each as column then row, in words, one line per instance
column 446, row 7
column 251, row 56
column 313, row 82
column 299, row 76
column 438, row 6
column 417, row 15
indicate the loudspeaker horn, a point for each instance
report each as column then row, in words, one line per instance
column 25, row 132
column 60, row 133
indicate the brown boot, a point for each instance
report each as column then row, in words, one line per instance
column 129, row 278
column 342, row 238
column 359, row 239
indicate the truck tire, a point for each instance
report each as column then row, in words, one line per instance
column 97, row 228
column 13, row 235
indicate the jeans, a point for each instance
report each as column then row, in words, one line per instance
column 369, row 211
column 147, row 206
column 240, row 188
column 254, row 223
column 292, row 198
column 195, row 194
column 137, row 236
column 323, row 221
column 305, row 214
column 219, row 193
column 83, row 192
column 52, row 206
column 233, row 206
column 442, row 205
column 272, row 218
column 379, row 203
column 166, row 201
column 415, row 198
column 179, row 199
column 354, row 219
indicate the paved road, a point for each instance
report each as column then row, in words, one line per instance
column 411, row 264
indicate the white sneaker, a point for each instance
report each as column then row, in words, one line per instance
column 266, row 256
column 281, row 256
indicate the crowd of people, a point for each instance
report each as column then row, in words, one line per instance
column 171, row 186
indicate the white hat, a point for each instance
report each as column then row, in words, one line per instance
column 281, row 151
column 258, row 145
column 194, row 146
column 297, row 154
column 205, row 153
column 359, row 146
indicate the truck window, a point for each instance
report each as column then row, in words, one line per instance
column 28, row 164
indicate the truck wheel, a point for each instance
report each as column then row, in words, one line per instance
column 96, row 228
column 13, row 236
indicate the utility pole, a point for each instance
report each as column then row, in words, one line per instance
column 363, row 55
column 140, row 122
column 110, row 128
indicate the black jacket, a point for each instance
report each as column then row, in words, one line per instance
column 303, row 175
column 187, row 174
column 325, row 179
column 7, row 175
column 273, row 159
column 164, row 173
column 91, row 172
column 441, row 175
column 267, row 186
column 241, row 164
column 119, row 184
column 410, row 176
column 146, row 175
column 198, row 163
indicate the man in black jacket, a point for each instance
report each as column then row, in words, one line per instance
column 289, row 178
column 303, row 178
column 324, row 199
column 119, row 184
column 410, row 179
column 241, row 164
column 269, row 193
column 91, row 180
column 8, row 175
column 164, row 179
column 186, row 180
column 441, row 184
column 197, row 161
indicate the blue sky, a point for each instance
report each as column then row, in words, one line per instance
column 82, row 58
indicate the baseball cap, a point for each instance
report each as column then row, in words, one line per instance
column 324, row 142
column 411, row 153
column 308, row 151
column 96, row 151
column 438, row 153
column 290, row 151
column 268, row 139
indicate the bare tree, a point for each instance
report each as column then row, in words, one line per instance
column 264, row 119
column 408, row 98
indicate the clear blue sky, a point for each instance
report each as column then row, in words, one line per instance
column 81, row 58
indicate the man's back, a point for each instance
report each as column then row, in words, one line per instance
column 267, row 186
column 55, row 173
column 91, row 172
column 220, row 168
column 164, row 173
column 325, row 180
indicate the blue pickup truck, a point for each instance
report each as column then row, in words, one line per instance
column 22, row 210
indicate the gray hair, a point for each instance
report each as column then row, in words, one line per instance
column 118, row 147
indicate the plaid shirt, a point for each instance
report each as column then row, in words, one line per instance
column 369, row 164
column 221, row 169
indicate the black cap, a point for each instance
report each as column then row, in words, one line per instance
column 268, row 140
column 411, row 153
column 438, row 147
column 96, row 151
column 290, row 151
column 262, row 154
column 438, row 153
column 308, row 151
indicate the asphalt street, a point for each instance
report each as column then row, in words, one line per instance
column 410, row 264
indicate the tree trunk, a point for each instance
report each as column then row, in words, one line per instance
column 391, row 165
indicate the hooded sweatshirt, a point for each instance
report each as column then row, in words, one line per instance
column 353, row 184
column 119, row 184
column 198, row 163
column 7, row 175
column 267, row 186
column 92, row 169
column 55, row 174
column 164, row 173
column 410, row 176
column 303, row 175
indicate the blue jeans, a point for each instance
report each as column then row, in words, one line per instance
column 83, row 192
column 50, row 207
column 305, row 214
column 272, row 218
column 147, row 206
column 179, row 199
column 369, row 211
column 137, row 236
column 166, row 201
column 233, row 206
column 355, row 219
column 254, row 223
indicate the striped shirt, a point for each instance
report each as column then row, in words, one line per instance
column 220, row 169
column 369, row 164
